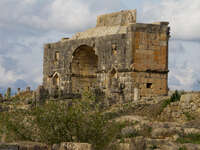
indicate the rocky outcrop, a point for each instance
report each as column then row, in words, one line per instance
column 187, row 109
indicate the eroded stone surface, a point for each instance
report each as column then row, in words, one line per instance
column 124, row 59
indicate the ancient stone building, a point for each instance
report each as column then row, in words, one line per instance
column 124, row 59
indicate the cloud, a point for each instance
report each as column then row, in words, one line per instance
column 184, row 19
column 24, row 31
column 26, row 25
column 183, row 15
column 184, row 64
column 60, row 15
column 7, row 76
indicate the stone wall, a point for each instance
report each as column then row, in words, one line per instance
column 151, row 84
column 150, row 47
column 122, row 58
column 23, row 146
column 137, row 143
column 121, row 18
column 150, row 57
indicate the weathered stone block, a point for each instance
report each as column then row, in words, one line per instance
column 8, row 147
column 75, row 146
column 86, row 60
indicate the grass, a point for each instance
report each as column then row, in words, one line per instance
column 189, row 138
column 166, row 103
column 182, row 148
column 153, row 147
column 189, row 116
column 55, row 122
column 174, row 98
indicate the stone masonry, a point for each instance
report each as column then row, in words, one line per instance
column 124, row 59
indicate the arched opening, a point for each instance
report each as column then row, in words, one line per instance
column 57, row 56
column 84, row 68
column 56, row 80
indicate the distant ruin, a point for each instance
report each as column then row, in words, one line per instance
column 124, row 59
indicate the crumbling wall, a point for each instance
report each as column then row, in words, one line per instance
column 137, row 53
column 103, row 58
column 122, row 18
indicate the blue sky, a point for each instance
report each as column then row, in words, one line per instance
column 25, row 25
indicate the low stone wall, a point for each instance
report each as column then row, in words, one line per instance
column 40, row 146
column 62, row 146
column 23, row 146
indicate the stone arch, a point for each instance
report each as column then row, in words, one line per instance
column 84, row 69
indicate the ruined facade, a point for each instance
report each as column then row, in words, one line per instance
column 124, row 59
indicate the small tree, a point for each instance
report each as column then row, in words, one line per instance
column 175, row 96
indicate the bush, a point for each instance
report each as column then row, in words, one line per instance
column 189, row 116
column 57, row 122
column 152, row 147
column 166, row 103
column 174, row 98
column 189, row 138
column 182, row 148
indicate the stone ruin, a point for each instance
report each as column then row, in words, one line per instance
column 124, row 59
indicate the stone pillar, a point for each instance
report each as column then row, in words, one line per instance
column 18, row 90
column 28, row 89
column 136, row 94
column 8, row 93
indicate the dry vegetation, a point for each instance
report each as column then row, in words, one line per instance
column 86, row 120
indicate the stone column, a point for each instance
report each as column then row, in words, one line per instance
column 8, row 93
column 18, row 90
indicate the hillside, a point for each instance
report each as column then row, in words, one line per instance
column 162, row 123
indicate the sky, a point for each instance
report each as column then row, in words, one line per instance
column 26, row 25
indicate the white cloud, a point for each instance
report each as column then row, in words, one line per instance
column 70, row 15
column 184, row 64
column 6, row 76
column 62, row 15
column 183, row 15
column 184, row 19
column 27, row 24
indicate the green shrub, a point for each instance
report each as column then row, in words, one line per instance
column 174, row 98
column 189, row 116
column 153, row 147
column 56, row 122
column 166, row 103
column 189, row 138
column 14, row 125
column 182, row 148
